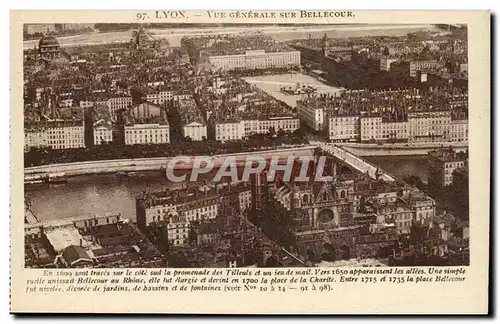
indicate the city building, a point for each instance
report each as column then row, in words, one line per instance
column 265, row 125
column 78, row 26
column 48, row 48
column 103, row 134
column 370, row 128
column 159, row 97
column 458, row 130
column 102, row 240
column 146, row 124
column 193, row 204
column 177, row 230
column 119, row 102
column 193, row 124
column 229, row 130
column 442, row 164
column 424, row 66
column 423, row 206
column 395, row 130
column 429, row 126
column 147, row 133
column 385, row 63
column 344, row 128
column 57, row 134
column 312, row 113
column 256, row 59
column 32, row 29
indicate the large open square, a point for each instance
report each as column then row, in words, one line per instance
column 273, row 83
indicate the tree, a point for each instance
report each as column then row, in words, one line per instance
column 272, row 131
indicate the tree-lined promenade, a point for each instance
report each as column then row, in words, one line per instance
column 47, row 156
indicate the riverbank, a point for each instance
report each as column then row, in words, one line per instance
column 410, row 149
column 146, row 164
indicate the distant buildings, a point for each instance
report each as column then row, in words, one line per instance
column 147, row 133
column 385, row 63
column 159, row 97
column 32, row 29
column 119, row 102
column 264, row 125
column 424, row 66
column 312, row 113
column 254, row 60
column 442, row 164
column 143, row 41
column 48, row 48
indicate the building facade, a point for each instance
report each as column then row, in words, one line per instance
column 263, row 126
column 395, row 130
column 229, row 130
column 117, row 103
column 311, row 115
column 147, row 134
column 385, row 63
column 57, row 134
column 103, row 134
column 344, row 128
column 459, row 130
column 370, row 128
column 160, row 97
column 258, row 59
column 423, row 66
column 442, row 164
column 431, row 126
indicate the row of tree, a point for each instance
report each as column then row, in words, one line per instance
column 46, row 155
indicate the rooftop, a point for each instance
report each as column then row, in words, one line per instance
column 176, row 197
column 446, row 155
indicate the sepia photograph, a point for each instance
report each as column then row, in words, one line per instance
column 162, row 145
column 305, row 161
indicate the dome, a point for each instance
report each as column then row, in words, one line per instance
column 48, row 41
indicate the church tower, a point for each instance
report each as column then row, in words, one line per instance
column 325, row 44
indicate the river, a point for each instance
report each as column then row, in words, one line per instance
column 106, row 193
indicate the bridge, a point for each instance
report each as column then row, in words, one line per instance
column 29, row 217
column 354, row 161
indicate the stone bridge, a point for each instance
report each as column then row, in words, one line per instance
column 354, row 161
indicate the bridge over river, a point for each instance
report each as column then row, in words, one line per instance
column 354, row 161
column 80, row 168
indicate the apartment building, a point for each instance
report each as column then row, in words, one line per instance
column 57, row 134
column 257, row 59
